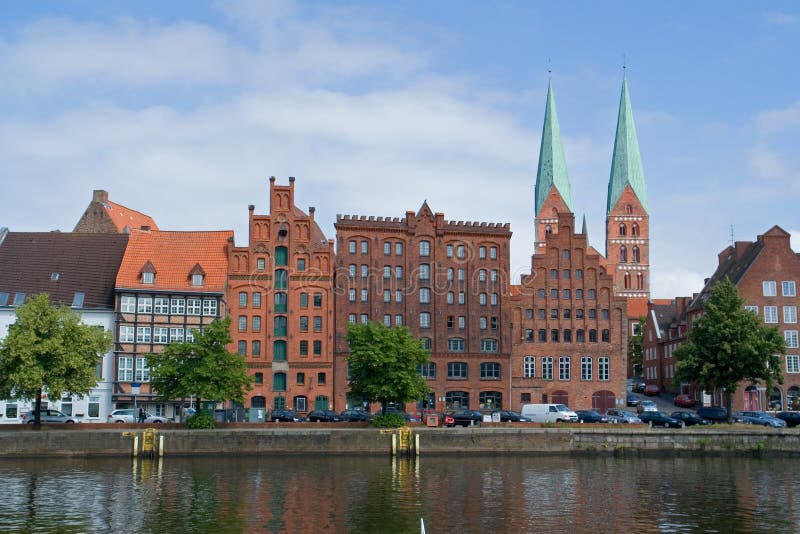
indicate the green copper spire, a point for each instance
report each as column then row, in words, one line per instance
column 552, row 165
column 626, row 165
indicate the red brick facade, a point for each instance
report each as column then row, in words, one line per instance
column 447, row 282
column 569, row 330
column 281, row 305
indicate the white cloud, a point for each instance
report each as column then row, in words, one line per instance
column 678, row 281
column 777, row 121
column 779, row 18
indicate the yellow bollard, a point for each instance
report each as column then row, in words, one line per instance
column 149, row 441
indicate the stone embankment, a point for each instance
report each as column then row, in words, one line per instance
column 111, row 440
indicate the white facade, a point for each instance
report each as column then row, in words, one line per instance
column 92, row 408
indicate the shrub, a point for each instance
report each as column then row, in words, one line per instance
column 390, row 420
column 200, row 420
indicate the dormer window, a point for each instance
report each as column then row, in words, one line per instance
column 197, row 279
column 197, row 275
column 55, row 276
column 148, row 273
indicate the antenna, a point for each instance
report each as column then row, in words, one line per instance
column 624, row 64
column 549, row 68
column 732, row 241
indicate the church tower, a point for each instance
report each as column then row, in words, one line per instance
column 552, row 194
column 627, row 219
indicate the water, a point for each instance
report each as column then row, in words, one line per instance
column 457, row 494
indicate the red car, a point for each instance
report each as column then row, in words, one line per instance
column 651, row 390
column 684, row 401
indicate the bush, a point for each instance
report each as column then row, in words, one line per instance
column 390, row 420
column 201, row 420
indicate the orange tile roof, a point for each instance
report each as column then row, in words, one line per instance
column 662, row 302
column 125, row 217
column 174, row 255
column 637, row 307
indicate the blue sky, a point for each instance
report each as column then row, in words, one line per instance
column 183, row 110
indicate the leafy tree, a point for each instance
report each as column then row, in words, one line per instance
column 48, row 348
column 383, row 363
column 635, row 348
column 203, row 368
column 728, row 345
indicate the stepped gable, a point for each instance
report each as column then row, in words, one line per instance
column 469, row 227
column 61, row 264
column 175, row 256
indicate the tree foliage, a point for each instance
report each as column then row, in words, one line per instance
column 384, row 363
column 48, row 348
column 728, row 345
column 202, row 368
column 635, row 347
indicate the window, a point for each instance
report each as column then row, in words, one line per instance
column 769, row 288
column 427, row 370
column 148, row 278
column 317, row 300
column 303, row 323
column 303, row 348
column 144, row 305
column 547, row 367
column 451, row 321
column 592, row 313
column 209, row 307
column 160, row 334
column 482, row 275
column 364, row 271
column 451, row 274
column 493, row 253
column 351, row 247
column 770, row 314
column 790, row 314
column 788, row 288
column 461, row 275
column 623, row 254
column 176, row 335
column 398, row 320
column 554, row 313
column 301, row 264
column 604, row 368
column 542, row 335
column 398, row 272
column 143, row 334
column 365, row 247
column 792, row 363
column 605, row 336
column 279, row 350
column 364, row 295
column 482, row 299
column 495, row 323
column 304, row 299
column 461, row 251
column 482, row 324
column 593, row 336
column 258, row 378
column 565, row 254
column 791, row 339
column 554, row 335
column 578, row 274
column 256, row 348
column 567, row 313
column 261, row 264
column 256, row 323
column 554, row 294
column 317, row 323
column 351, row 318
column 567, row 335
column 321, row 379
column 482, row 253
column 279, row 324
column 565, row 294
column 586, row 368
column 490, row 371
column 300, row 402
column 351, row 295
column 592, row 294
column 565, row 273
column 451, row 297
column 540, row 293
column 242, row 323
column 197, row 279
column 279, row 382
column 488, row 345
column 142, row 373
column 563, row 368
column 398, row 296
column 635, row 252
column 11, row 410
column 127, row 304
column 193, row 306
column 126, row 334
column 364, row 318
column 457, row 370
column 241, row 348
column 424, row 271
column 554, row 274
column 529, row 367
column 281, row 256
column 449, row 251
column 387, row 249
column 753, row 309
column 579, row 336
column 426, row 343
column 425, row 295
column 352, row 270
column 66, row 405
column 634, row 229
column 398, row 249
column 161, row 305
column 387, row 272
column 424, row 248
column 387, row 295
column 579, row 313
column 424, row 320
column 281, row 279
column 125, row 369
column 462, row 322
column 455, row 344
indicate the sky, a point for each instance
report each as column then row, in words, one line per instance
column 184, row 109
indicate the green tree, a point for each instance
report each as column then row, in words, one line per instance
column 728, row 345
column 48, row 348
column 635, row 348
column 202, row 368
column 384, row 363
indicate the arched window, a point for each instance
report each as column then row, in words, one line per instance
column 281, row 279
column 280, row 302
column 639, row 281
column 623, row 254
column 454, row 400
column 258, row 402
column 634, row 229
column 627, row 280
column 279, row 350
column 548, row 230
column 280, row 325
column 628, row 209
column 635, row 252
column 623, row 230
column 605, row 336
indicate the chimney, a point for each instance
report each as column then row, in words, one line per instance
column 100, row 195
column 251, row 208
column 741, row 248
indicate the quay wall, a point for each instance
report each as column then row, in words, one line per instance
column 322, row 440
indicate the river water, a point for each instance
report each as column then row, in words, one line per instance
column 457, row 494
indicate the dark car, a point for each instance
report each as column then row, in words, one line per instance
column 651, row 390
column 760, row 418
column 683, row 401
column 632, row 400
column 713, row 414
column 591, row 416
column 466, row 417
column 792, row 418
column 323, row 416
column 352, row 416
column 660, row 419
column 689, row 418
column 47, row 417
column 507, row 416
column 637, row 385
column 284, row 416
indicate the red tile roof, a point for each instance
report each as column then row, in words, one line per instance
column 637, row 307
column 174, row 255
column 123, row 217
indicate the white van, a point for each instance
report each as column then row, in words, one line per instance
column 549, row 413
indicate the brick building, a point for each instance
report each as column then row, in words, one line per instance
column 280, row 299
column 169, row 284
column 766, row 272
column 665, row 330
column 105, row 217
column 446, row 281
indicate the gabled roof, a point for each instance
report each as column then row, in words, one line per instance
column 626, row 163
column 126, row 218
column 175, row 256
column 731, row 265
column 552, row 170
column 62, row 264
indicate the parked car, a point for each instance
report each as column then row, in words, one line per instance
column 683, row 401
column 647, row 406
column 792, row 418
column 760, row 418
column 466, row 417
column 507, row 416
column 713, row 414
column 637, row 385
column 652, row 390
column 591, row 416
column 129, row 415
column 352, row 416
column 631, row 400
column 689, row 418
column 47, row 416
column 284, row 416
column 622, row 416
column 323, row 416
column 660, row 419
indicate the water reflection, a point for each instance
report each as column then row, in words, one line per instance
column 379, row 495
